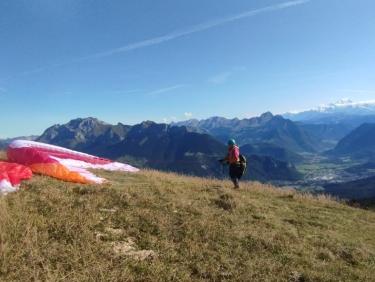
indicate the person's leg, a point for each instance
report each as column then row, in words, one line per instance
column 237, row 175
column 233, row 175
column 236, row 182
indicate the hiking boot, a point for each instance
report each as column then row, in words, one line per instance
column 236, row 183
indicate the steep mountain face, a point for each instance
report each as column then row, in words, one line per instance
column 344, row 111
column 264, row 129
column 359, row 143
column 264, row 168
column 354, row 190
column 88, row 134
column 270, row 150
column 164, row 147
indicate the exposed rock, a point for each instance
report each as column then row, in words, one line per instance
column 128, row 248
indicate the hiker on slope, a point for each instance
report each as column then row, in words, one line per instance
column 236, row 169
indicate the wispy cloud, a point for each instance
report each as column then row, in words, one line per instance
column 223, row 77
column 197, row 28
column 125, row 92
column 166, row 89
column 174, row 35
column 169, row 119
column 220, row 78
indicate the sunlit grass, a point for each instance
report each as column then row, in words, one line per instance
column 195, row 229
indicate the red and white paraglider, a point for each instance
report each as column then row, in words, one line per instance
column 11, row 175
column 57, row 162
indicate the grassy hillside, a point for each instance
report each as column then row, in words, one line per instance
column 154, row 226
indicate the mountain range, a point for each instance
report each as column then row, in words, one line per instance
column 270, row 150
column 354, row 190
column 88, row 135
column 272, row 144
column 360, row 143
column 332, row 122
column 268, row 128
column 160, row 146
column 340, row 111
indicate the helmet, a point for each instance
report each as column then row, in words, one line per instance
column 231, row 142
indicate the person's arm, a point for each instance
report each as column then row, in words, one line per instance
column 226, row 159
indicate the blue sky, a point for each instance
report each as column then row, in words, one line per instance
column 128, row 61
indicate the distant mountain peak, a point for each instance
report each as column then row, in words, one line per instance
column 341, row 108
column 266, row 116
column 86, row 121
column 340, row 105
column 267, row 128
column 84, row 134
column 344, row 101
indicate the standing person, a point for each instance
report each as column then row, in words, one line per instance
column 233, row 159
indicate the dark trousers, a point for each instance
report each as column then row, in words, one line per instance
column 235, row 173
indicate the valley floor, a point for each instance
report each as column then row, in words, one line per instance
column 319, row 171
column 154, row 226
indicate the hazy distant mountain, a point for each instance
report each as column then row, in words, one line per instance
column 360, row 143
column 354, row 190
column 85, row 134
column 270, row 150
column 159, row 146
column 267, row 128
column 326, row 136
column 364, row 169
column 328, row 124
column 5, row 142
column 264, row 168
column 327, row 132
column 344, row 111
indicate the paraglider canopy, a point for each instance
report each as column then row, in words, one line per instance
column 11, row 175
column 61, row 163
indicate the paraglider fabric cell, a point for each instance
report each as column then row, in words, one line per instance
column 11, row 175
column 61, row 163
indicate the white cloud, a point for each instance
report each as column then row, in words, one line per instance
column 188, row 115
column 169, row 119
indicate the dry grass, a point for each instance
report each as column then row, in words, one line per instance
column 155, row 226
column 3, row 155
